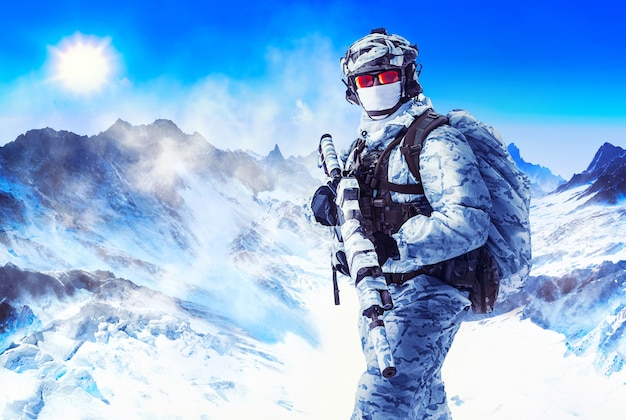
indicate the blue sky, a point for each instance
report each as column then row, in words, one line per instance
column 549, row 75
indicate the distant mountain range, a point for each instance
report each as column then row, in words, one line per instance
column 605, row 174
column 542, row 180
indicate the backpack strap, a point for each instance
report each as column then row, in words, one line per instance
column 412, row 141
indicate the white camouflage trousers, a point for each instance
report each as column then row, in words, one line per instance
column 426, row 316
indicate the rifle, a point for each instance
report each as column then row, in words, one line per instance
column 377, row 331
column 330, row 164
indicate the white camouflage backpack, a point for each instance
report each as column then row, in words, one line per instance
column 509, row 233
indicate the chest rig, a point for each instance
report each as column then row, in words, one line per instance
column 475, row 271
column 380, row 213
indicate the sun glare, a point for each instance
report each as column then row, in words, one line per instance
column 83, row 65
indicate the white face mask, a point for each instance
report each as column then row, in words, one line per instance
column 380, row 97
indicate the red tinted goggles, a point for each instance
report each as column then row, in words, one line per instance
column 384, row 78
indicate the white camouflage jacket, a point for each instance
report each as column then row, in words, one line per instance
column 452, row 184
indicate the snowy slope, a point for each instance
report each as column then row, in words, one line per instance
column 568, row 233
column 107, row 348
column 580, row 262
column 149, row 275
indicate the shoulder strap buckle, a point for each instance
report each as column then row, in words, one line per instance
column 411, row 149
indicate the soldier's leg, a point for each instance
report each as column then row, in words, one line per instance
column 427, row 314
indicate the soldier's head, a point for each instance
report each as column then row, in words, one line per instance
column 380, row 72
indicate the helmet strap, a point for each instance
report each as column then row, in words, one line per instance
column 351, row 95
column 412, row 87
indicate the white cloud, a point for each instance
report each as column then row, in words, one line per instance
column 303, row 114
column 299, row 98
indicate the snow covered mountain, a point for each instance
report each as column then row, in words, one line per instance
column 146, row 274
column 194, row 235
column 605, row 176
column 542, row 180
column 580, row 261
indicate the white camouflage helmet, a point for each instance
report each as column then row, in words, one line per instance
column 379, row 51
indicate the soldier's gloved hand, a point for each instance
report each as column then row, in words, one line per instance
column 340, row 262
column 338, row 258
column 373, row 293
column 324, row 207
column 385, row 247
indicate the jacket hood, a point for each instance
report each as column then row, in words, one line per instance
column 379, row 133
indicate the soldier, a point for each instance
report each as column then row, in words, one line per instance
column 412, row 231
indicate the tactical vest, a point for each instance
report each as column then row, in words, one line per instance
column 475, row 271
column 380, row 213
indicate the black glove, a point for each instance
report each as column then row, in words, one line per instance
column 385, row 246
column 340, row 262
column 324, row 207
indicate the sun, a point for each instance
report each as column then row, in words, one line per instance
column 83, row 64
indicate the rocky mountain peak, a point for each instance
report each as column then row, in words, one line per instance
column 605, row 175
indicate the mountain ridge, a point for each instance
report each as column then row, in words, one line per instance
column 605, row 177
column 542, row 180
column 151, row 244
